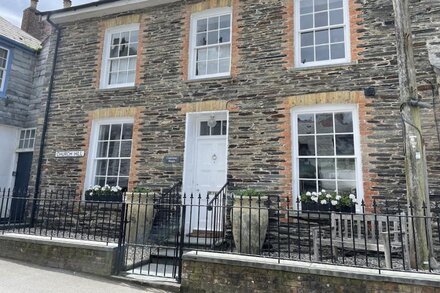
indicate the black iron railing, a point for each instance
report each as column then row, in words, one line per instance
column 154, row 230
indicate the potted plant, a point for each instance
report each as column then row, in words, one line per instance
column 250, row 218
column 328, row 201
column 140, row 215
column 104, row 193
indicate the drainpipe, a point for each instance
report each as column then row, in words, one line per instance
column 46, row 116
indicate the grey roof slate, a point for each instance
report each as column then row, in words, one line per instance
column 14, row 33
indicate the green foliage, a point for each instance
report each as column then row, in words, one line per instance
column 105, row 190
column 249, row 193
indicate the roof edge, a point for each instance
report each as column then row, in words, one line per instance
column 100, row 8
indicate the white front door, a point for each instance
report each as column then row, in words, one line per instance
column 209, row 170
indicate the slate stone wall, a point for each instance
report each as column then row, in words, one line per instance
column 259, row 125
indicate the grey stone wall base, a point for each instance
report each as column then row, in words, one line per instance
column 96, row 258
column 297, row 267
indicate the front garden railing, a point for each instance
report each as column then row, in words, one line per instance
column 154, row 230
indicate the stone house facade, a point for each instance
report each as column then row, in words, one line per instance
column 282, row 96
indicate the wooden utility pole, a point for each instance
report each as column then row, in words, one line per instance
column 421, row 250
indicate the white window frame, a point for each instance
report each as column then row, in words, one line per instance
column 106, row 55
column 93, row 147
column 193, row 39
column 297, row 38
column 5, row 70
column 357, row 144
column 25, row 131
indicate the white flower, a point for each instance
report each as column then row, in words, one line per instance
column 96, row 187
column 352, row 196
column 319, row 193
column 338, row 197
column 308, row 193
column 118, row 188
column 323, row 190
column 334, row 202
column 114, row 189
column 315, row 198
column 323, row 201
column 314, row 193
column 91, row 192
column 328, row 196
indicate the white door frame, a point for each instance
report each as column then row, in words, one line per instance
column 191, row 138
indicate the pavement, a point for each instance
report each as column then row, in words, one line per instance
column 19, row 277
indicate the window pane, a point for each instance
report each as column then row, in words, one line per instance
column 123, row 51
column 123, row 182
column 114, row 52
column 347, row 187
column 33, row 133
column 201, row 25
column 216, row 130
column 102, row 149
column 125, row 149
column 337, row 16
column 306, row 6
column 225, row 36
column 112, row 181
column 343, row 122
column 101, row 167
column 201, row 68
column 113, row 168
column 307, row 186
column 325, row 145
column 127, row 131
column 306, row 145
column 322, row 53
column 204, row 128
column 336, row 35
column 324, row 123
column 116, row 39
column 115, row 132
column 213, row 53
column 213, row 23
column 307, row 55
column 131, row 76
column 225, row 51
column 21, row 144
column 335, row 4
column 346, row 169
column 28, row 134
column 202, row 55
column 104, row 132
column 327, row 185
column 134, row 36
column 113, row 79
column 307, row 168
column 321, row 19
column 224, row 127
column 326, row 169
column 307, row 39
column 212, row 67
column 132, row 63
column 322, row 37
column 22, row 133
column 123, row 65
column 212, row 37
column 201, row 39
column 113, row 149
column 320, row 5
column 125, row 37
column 223, row 65
column 133, row 50
column 100, row 181
column 306, row 21
column 344, row 144
column 125, row 168
column 306, row 124
column 3, row 64
column 338, row 51
column 225, row 21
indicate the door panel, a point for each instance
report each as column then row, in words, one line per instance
column 21, row 185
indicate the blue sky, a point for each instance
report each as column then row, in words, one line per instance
column 12, row 10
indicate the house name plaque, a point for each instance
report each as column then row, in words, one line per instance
column 171, row 159
column 69, row 154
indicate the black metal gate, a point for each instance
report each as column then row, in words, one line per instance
column 152, row 234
